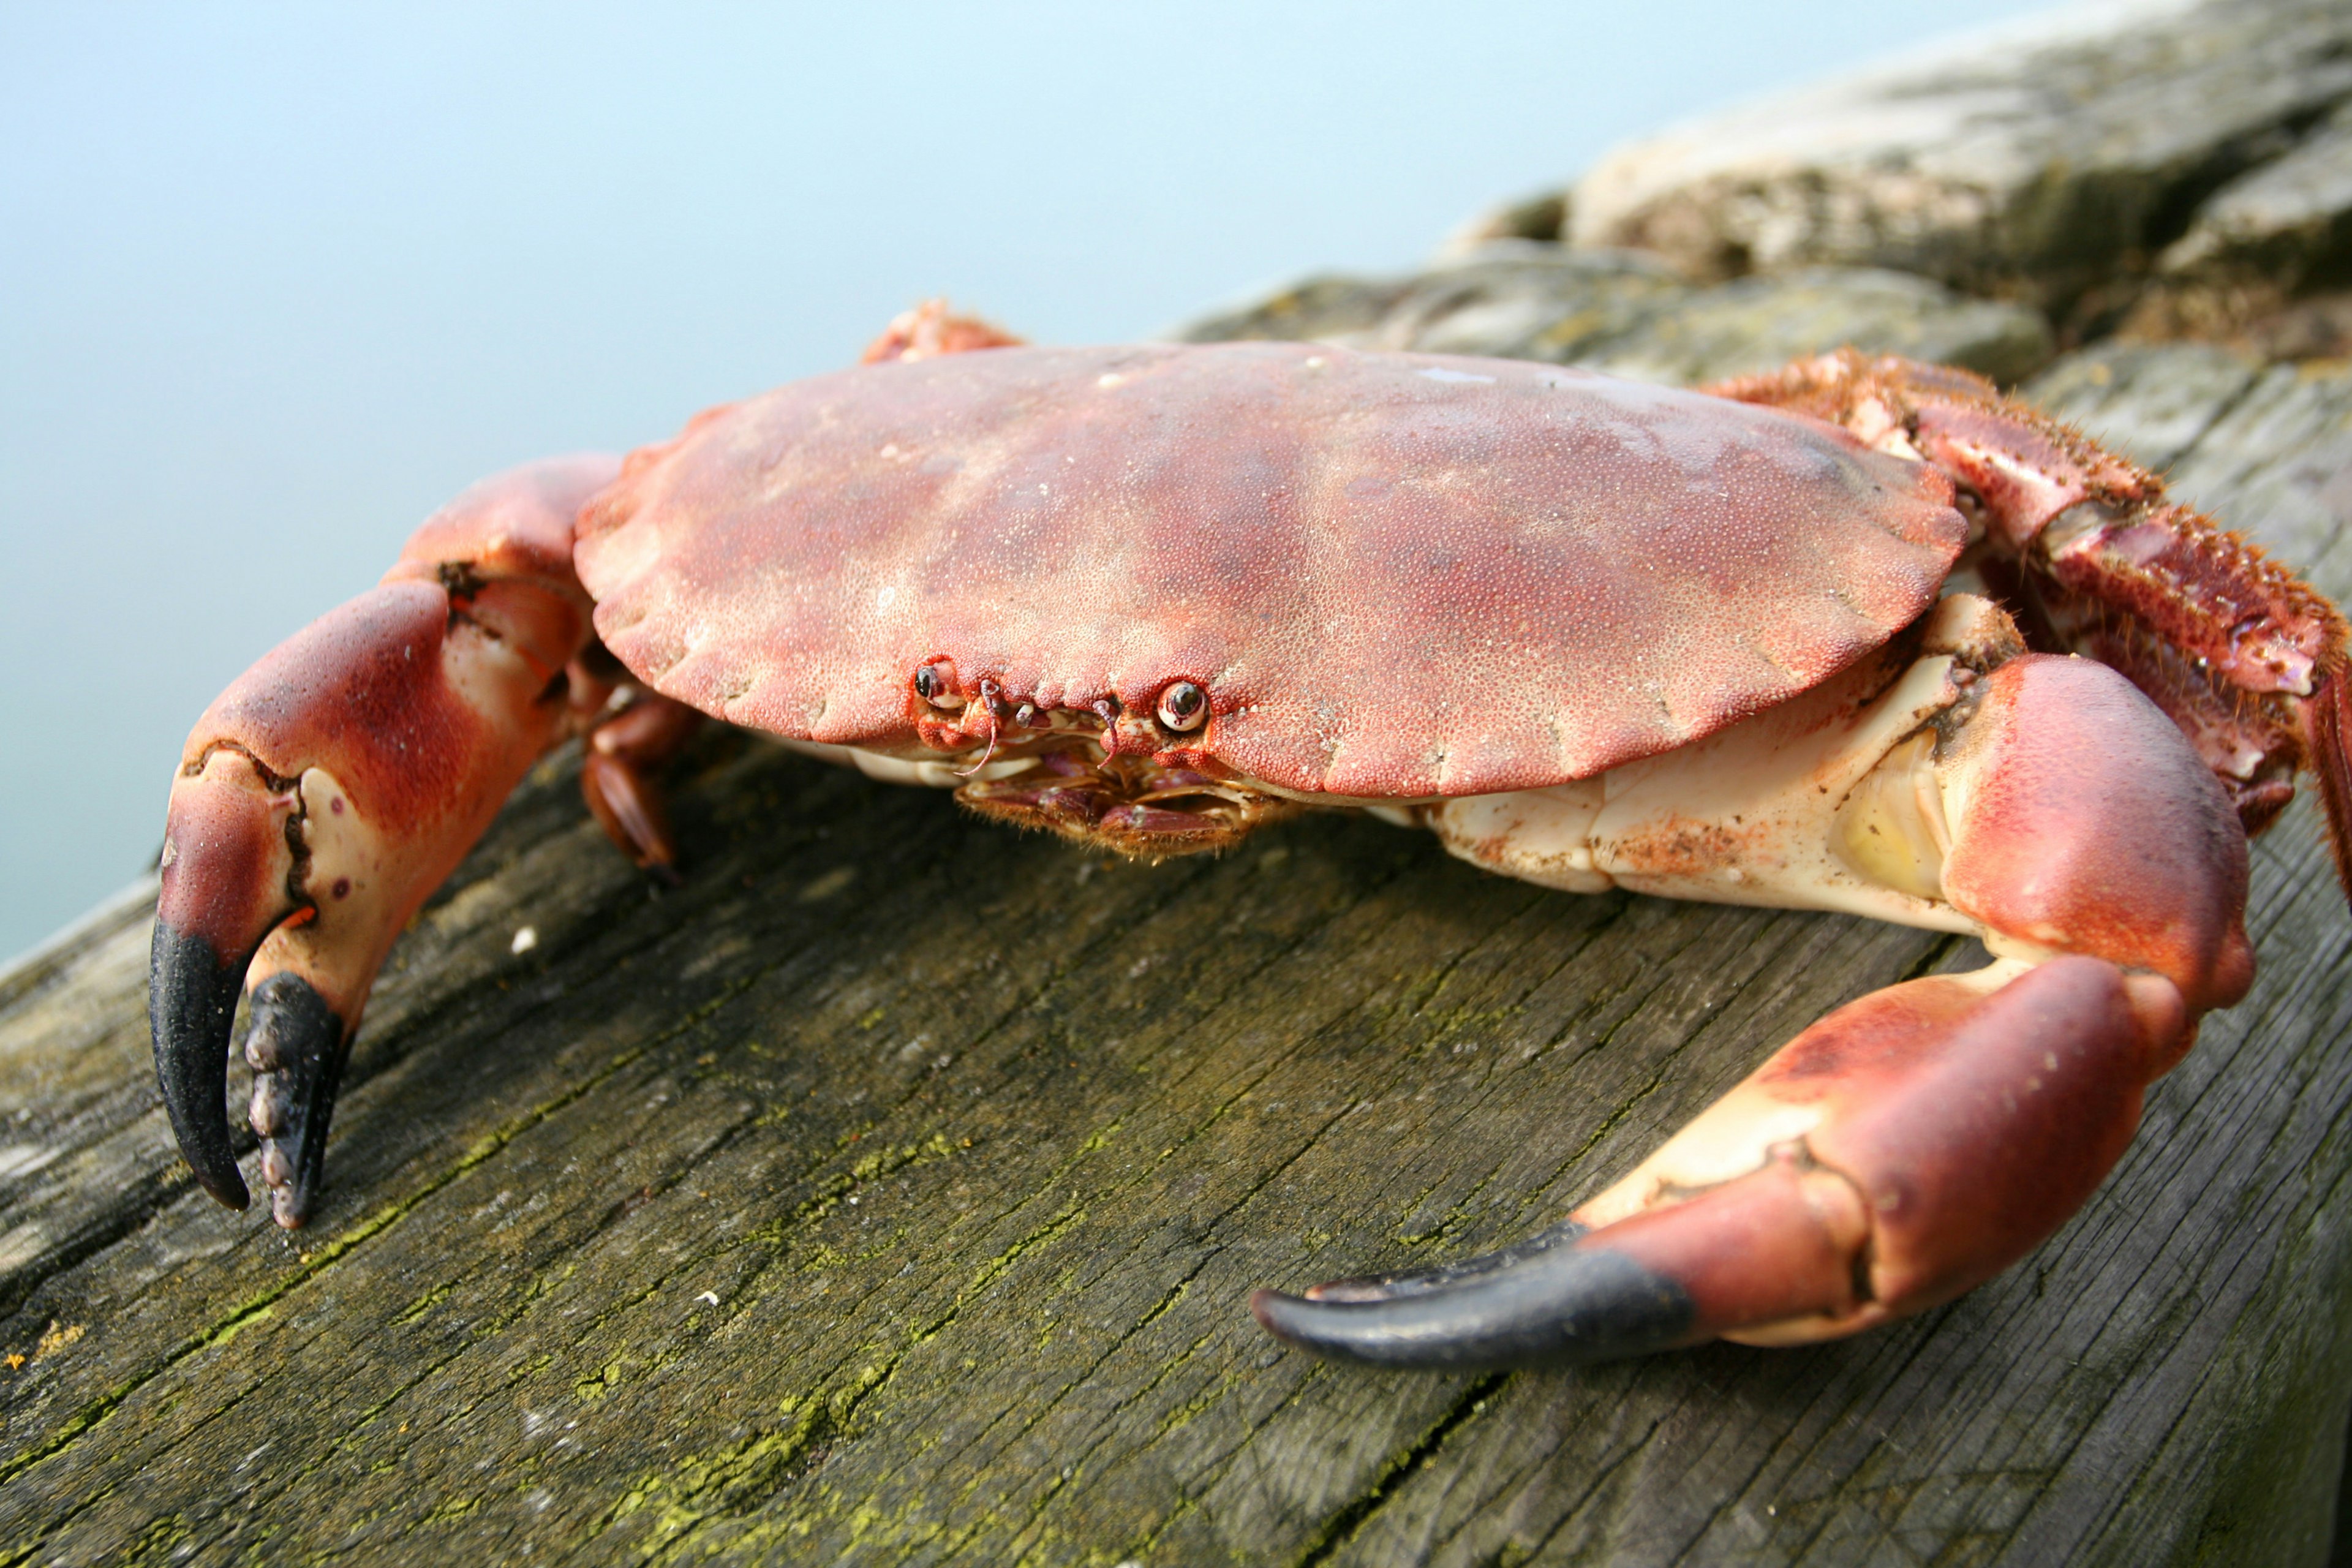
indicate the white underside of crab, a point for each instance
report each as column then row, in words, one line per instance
column 1834, row 801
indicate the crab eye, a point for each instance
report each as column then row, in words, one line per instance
column 935, row 684
column 1183, row 707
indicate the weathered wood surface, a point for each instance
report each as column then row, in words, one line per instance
column 891, row 1192
column 2065, row 155
column 1626, row 313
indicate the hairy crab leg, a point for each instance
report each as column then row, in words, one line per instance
column 1920, row 1140
column 333, row 787
column 2086, row 549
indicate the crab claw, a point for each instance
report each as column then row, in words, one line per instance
column 1843, row 1184
column 326, row 794
column 1917, row 1141
column 226, row 864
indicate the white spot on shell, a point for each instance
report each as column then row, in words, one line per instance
column 1110, row 378
column 886, row 596
column 1439, row 372
column 525, row 939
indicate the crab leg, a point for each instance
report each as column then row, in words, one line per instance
column 333, row 786
column 2087, row 550
column 1916, row 1142
column 626, row 748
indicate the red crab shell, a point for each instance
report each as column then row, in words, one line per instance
column 1396, row 574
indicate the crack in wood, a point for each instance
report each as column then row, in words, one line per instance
column 1342, row 1526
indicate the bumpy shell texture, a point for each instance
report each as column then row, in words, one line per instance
column 1395, row 575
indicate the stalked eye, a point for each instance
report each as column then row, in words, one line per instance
column 1183, row 707
column 935, row 684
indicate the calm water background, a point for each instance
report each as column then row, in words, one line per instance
column 276, row 280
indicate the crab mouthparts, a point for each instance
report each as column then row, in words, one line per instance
column 1128, row 803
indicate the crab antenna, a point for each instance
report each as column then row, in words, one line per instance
column 993, row 728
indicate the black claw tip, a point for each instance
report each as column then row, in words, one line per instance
column 191, row 1001
column 1389, row 1286
column 1542, row 1303
column 295, row 1043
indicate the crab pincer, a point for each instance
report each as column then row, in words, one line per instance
column 1917, row 1141
column 327, row 793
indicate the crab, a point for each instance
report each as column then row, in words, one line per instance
column 1813, row 639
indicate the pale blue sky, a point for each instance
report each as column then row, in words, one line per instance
column 274, row 281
